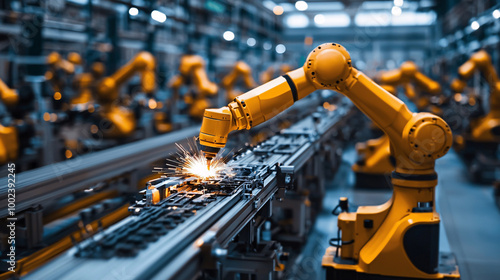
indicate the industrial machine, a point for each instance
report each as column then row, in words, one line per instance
column 240, row 70
column 479, row 144
column 414, row 82
column 83, row 84
column 117, row 121
column 396, row 240
column 9, row 138
column 375, row 163
column 58, row 69
column 192, row 74
column 15, row 132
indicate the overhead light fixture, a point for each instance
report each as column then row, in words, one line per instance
column 414, row 19
column 133, row 11
column 301, row 5
column 475, row 25
column 334, row 20
column 251, row 42
column 280, row 48
column 278, row 10
column 373, row 18
column 319, row 19
column 496, row 14
column 398, row 3
column 158, row 16
column 297, row 20
column 267, row 46
column 228, row 35
column 396, row 11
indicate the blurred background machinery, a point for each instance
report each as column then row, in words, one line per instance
column 98, row 96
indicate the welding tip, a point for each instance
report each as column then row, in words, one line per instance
column 209, row 160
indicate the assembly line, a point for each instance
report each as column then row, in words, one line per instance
column 249, row 140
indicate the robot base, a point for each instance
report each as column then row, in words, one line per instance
column 372, row 181
column 346, row 270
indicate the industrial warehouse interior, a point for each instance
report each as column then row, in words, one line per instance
column 249, row 139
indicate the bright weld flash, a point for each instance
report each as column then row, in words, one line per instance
column 192, row 162
column 197, row 165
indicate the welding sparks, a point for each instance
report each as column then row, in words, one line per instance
column 192, row 162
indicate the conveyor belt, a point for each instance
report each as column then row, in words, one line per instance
column 50, row 182
column 43, row 185
column 219, row 210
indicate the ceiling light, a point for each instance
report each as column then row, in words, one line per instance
column 396, row 11
column 334, row 20
column 398, row 3
column 251, row 42
column 301, row 5
column 133, row 11
column 278, row 10
column 297, row 20
column 267, row 46
column 280, row 48
column 474, row 25
column 158, row 16
column 228, row 35
column 372, row 18
column 319, row 19
column 496, row 14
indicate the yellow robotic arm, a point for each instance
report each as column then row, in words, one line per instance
column 240, row 69
column 192, row 71
column 56, row 61
column 329, row 67
column 377, row 240
column 408, row 73
column 143, row 63
column 123, row 119
column 193, row 67
column 479, row 61
column 9, row 142
column 9, row 96
column 83, row 84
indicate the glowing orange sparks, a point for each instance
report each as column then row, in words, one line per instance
column 192, row 162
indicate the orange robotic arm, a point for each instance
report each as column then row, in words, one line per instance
column 193, row 66
column 9, row 139
column 240, row 69
column 479, row 61
column 55, row 60
column 9, row 96
column 408, row 73
column 417, row 139
column 143, row 62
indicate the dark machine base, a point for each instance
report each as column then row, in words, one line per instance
column 372, row 181
column 481, row 160
column 496, row 193
column 447, row 267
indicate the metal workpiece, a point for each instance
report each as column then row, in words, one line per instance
column 202, row 226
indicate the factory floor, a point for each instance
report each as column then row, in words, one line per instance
column 470, row 225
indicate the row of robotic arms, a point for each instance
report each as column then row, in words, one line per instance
column 75, row 112
column 474, row 121
column 221, row 226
